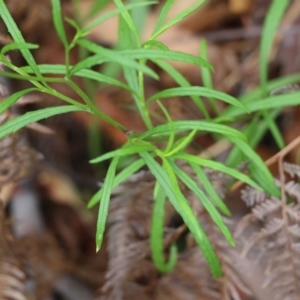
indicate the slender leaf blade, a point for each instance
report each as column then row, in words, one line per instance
column 179, row 126
column 156, row 234
column 181, row 80
column 120, row 178
column 272, row 20
column 17, row 36
column 257, row 162
column 85, row 73
column 210, row 189
column 157, row 44
column 128, row 19
column 178, row 18
column 126, row 150
column 10, row 100
column 170, row 187
column 198, row 91
column 105, row 55
column 192, row 159
column 153, row 54
column 112, row 13
column 209, row 207
column 162, row 15
column 58, row 22
column 33, row 116
column 17, row 46
column 104, row 203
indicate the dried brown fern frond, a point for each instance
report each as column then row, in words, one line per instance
column 30, row 266
column 11, row 282
column 292, row 169
column 16, row 157
column 12, row 278
column 128, row 233
column 37, row 254
column 270, row 237
column 192, row 278
column 130, row 265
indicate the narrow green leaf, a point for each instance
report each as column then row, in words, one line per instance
column 182, row 144
column 162, row 15
column 272, row 102
column 205, row 246
column 85, row 73
column 90, row 74
column 112, row 13
column 140, row 17
column 58, row 22
column 210, row 189
column 125, row 150
column 156, row 233
column 177, row 18
column 104, row 203
column 126, row 41
column 17, row 46
column 17, row 36
column 205, row 126
column 96, row 7
column 254, row 132
column 128, row 19
column 33, row 116
column 209, row 207
column 74, row 24
column 278, row 101
column 255, row 159
column 267, row 185
column 153, row 54
column 258, row 93
column 106, row 55
column 10, row 100
column 181, row 80
column 274, row 128
column 206, row 75
column 172, row 134
column 157, row 44
column 272, row 20
column 120, row 178
column 198, row 91
column 168, row 182
column 192, row 159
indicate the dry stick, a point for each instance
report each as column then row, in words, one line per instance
column 223, row 145
column 277, row 157
column 284, row 151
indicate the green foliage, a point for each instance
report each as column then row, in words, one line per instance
column 132, row 56
column 254, row 102
column 156, row 233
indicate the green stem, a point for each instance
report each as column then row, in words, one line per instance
column 92, row 107
column 67, row 60
column 22, row 73
column 144, row 108
column 63, row 97
column 31, row 78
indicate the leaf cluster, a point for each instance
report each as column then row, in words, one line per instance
column 132, row 55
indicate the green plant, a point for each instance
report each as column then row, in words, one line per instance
column 132, row 56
